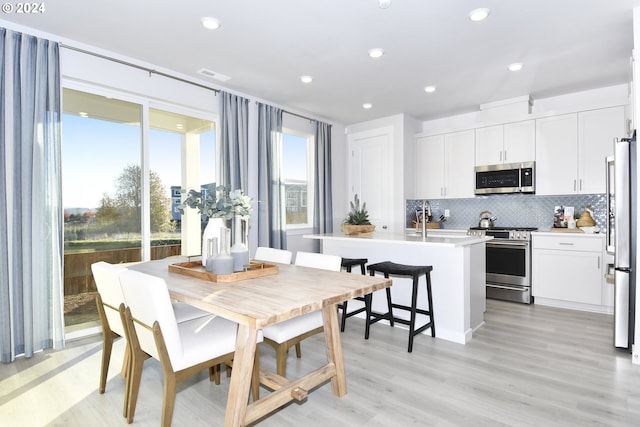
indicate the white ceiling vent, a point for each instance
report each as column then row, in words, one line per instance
column 213, row 75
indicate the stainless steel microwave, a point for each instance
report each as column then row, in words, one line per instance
column 506, row 178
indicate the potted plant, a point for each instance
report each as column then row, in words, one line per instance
column 357, row 220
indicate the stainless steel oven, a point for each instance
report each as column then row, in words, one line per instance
column 508, row 263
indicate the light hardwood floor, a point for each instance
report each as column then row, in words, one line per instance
column 527, row 366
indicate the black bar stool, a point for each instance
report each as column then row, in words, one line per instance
column 348, row 264
column 413, row 271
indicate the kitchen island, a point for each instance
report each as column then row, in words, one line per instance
column 458, row 276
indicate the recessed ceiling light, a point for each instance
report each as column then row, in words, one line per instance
column 210, row 23
column 516, row 66
column 376, row 53
column 306, row 79
column 83, row 114
column 367, row 106
column 430, row 89
column 179, row 126
column 479, row 14
column 384, row 3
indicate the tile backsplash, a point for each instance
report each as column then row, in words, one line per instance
column 511, row 210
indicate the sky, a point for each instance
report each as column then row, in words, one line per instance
column 95, row 152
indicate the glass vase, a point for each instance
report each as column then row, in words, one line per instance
column 223, row 263
column 212, row 250
column 240, row 248
column 212, row 230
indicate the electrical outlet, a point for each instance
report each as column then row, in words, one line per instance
column 447, row 214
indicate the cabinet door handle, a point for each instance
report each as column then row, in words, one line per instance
column 565, row 244
column 505, row 155
column 598, row 262
column 501, row 155
column 580, row 184
column 574, row 185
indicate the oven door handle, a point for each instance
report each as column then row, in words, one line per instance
column 508, row 288
column 495, row 242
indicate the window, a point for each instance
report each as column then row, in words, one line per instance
column 297, row 173
column 111, row 212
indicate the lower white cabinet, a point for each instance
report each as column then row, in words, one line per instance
column 568, row 268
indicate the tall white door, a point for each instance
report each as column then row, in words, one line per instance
column 370, row 173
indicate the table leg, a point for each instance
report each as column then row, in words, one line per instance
column 334, row 348
column 241, row 377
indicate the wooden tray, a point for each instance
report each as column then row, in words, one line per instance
column 195, row 269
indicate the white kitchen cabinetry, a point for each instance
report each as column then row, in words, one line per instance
column 571, row 148
column 596, row 132
column 568, row 271
column 508, row 143
column 557, row 154
column 445, row 165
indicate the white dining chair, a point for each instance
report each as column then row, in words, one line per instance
column 183, row 349
column 282, row 336
column 266, row 254
column 108, row 302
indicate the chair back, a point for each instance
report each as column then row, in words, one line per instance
column 149, row 302
column 107, row 278
column 322, row 261
column 273, row 255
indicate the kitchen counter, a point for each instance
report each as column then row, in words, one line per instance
column 568, row 234
column 458, row 276
column 434, row 238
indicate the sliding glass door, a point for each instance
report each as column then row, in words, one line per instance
column 124, row 164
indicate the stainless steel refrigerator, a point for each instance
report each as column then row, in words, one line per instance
column 622, row 215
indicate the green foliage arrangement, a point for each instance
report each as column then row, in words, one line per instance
column 229, row 203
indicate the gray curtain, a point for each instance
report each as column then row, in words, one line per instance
column 272, row 230
column 31, row 252
column 234, row 144
column 322, row 211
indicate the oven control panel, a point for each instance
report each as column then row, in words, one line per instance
column 514, row 234
column 519, row 235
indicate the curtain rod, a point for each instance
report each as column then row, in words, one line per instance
column 299, row 115
column 160, row 73
column 139, row 67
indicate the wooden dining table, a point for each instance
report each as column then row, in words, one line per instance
column 262, row 301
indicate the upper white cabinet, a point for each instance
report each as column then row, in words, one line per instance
column 597, row 130
column 508, row 143
column 556, row 154
column 445, row 165
column 571, row 150
column 430, row 167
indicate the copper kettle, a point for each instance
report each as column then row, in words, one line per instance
column 486, row 220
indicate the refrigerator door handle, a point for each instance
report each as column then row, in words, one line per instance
column 622, row 204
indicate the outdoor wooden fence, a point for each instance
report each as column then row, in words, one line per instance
column 77, row 266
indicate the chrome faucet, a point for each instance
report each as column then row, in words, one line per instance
column 426, row 212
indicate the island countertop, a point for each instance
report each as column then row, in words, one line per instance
column 458, row 275
column 434, row 239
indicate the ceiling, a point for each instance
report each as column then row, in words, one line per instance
column 264, row 46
